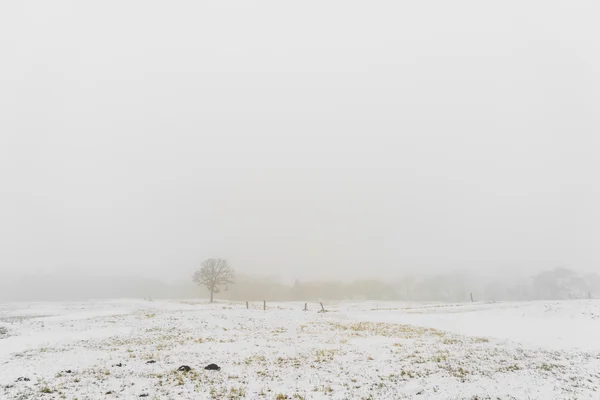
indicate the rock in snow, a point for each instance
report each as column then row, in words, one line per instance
column 212, row 367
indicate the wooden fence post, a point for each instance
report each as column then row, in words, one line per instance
column 264, row 305
column 247, row 307
column 471, row 297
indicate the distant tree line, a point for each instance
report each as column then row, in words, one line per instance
column 555, row 284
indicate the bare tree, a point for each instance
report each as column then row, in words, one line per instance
column 215, row 273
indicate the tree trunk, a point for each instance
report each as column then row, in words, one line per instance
column 211, row 295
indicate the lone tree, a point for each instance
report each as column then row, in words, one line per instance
column 215, row 273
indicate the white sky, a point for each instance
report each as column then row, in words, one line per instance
column 312, row 139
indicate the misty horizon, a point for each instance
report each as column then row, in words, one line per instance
column 351, row 143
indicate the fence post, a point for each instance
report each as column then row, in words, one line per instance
column 471, row 297
column 305, row 307
column 264, row 305
column 247, row 307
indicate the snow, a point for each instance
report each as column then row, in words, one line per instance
column 357, row 350
column 572, row 325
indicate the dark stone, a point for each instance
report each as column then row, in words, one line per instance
column 68, row 371
column 184, row 368
column 118, row 365
column 107, row 393
column 144, row 395
column 23, row 379
column 212, row 367
column 150, row 362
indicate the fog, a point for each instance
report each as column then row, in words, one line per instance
column 333, row 141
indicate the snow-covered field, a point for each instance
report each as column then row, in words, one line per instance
column 132, row 349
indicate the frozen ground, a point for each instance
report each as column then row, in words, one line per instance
column 100, row 350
